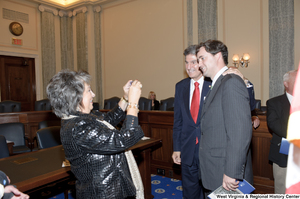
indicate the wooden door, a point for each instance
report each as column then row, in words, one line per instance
column 18, row 81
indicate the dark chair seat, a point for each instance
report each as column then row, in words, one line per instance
column 42, row 105
column 8, row 106
column 48, row 137
column 167, row 104
column 4, row 152
column 15, row 132
column 111, row 102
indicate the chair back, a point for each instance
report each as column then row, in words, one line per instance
column 42, row 105
column 13, row 132
column 145, row 104
column 8, row 106
column 111, row 102
column 47, row 123
column 257, row 104
column 48, row 137
column 96, row 106
column 167, row 104
column 4, row 152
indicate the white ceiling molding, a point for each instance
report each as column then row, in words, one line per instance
column 71, row 4
column 82, row 9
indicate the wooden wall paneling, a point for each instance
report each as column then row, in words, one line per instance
column 162, row 157
column 161, row 126
column 164, row 132
column 161, row 117
column 145, row 128
column 143, row 122
column 262, row 169
column 8, row 118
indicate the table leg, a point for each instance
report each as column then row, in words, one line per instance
column 144, row 163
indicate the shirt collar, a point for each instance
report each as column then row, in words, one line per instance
column 218, row 75
column 289, row 96
column 200, row 81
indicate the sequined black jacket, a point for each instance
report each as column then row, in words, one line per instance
column 95, row 150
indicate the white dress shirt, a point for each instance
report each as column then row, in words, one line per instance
column 218, row 75
column 192, row 88
column 289, row 96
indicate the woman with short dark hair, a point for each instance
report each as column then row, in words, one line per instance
column 94, row 147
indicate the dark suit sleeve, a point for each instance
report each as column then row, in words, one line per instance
column 177, row 126
column 275, row 118
column 238, row 126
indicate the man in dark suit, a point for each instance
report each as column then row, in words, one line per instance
column 278, row 111
column 186, row 131
column 226, row 127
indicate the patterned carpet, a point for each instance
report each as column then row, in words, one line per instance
column 161, row 188
column 165, row 188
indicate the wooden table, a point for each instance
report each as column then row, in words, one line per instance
column 35, row 169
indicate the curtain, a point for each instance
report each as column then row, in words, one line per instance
column 48, row 48
column 281, row 43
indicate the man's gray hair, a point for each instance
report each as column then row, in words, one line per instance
column 191, row 50
column 65, row 91
column 286, row 76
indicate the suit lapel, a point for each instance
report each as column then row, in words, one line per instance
column 211, row 94
column 186, row 98
column 205, row 90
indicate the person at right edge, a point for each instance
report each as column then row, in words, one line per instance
column 278, row 111
column 226, row 126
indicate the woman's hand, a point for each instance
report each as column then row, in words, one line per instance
column 134, row 95
column 126, row 89
column 135, row 91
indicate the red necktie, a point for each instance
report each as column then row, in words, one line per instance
column 195, row 102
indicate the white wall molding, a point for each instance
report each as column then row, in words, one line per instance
column 63, row 13
column 97, row 9
column 82, row 9
column 44, row 8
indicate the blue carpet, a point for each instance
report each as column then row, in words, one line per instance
column 165, row 188
column 161, row 188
